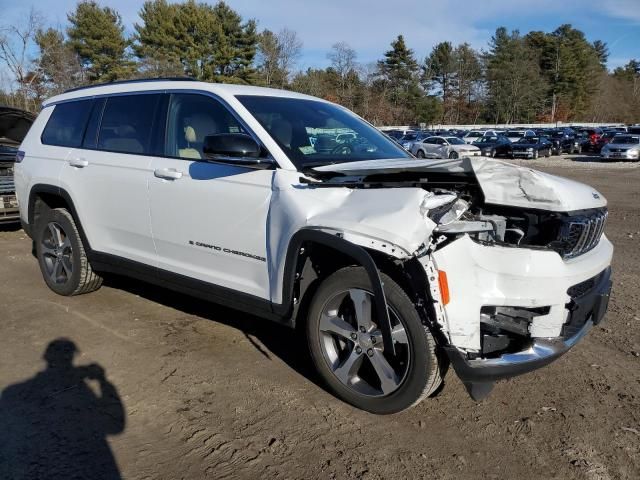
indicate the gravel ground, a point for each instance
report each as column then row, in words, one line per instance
column 163, row 386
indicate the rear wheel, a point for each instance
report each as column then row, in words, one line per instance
column 420, row 154
column 61, row 255
column 453, row 155
column 347, row 348
column 493, row 153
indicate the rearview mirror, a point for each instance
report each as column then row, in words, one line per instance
column 236, row 149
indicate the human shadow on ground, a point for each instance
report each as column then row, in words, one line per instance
column 54, row 425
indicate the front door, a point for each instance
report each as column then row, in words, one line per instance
column 208, row 219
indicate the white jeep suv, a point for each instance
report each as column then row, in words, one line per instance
column 395, row 267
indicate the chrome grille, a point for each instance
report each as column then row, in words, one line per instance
column 6, row 178
column 581, row 234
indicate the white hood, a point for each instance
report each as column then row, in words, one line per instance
column 502, row 183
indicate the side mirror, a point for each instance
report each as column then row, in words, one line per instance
column 230, row 145
column 236, row 149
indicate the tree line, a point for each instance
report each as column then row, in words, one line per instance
column 536, row 77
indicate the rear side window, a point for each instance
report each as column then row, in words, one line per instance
column 127, row 124
column 67, row 123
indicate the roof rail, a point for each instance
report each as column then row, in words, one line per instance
column 136, row 80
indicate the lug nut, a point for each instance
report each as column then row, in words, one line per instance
column 373, row 340
column 358, row 350
column 354, row 336
column 370, row 352
column 362, row 329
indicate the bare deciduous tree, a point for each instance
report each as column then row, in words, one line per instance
column 15, row 45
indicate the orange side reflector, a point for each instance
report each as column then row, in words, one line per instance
column 444, row 286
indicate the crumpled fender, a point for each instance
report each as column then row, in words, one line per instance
column 388, row 220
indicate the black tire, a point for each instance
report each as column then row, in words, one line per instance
column 420, row 154
column 536, row 154
column 82, row 278
column 548, row 154
column 424, row 372
column 453, row 155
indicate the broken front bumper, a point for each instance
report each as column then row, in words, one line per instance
column 586, row 311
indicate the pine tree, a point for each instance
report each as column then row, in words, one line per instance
column 97, row 36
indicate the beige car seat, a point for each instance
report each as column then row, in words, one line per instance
column 196, row 128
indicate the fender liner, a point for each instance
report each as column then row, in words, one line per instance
column 357, row 253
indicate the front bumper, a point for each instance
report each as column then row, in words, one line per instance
column 520, row 154
column 620, row 156
column 586, row 311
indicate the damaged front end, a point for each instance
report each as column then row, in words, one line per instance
column 516, row 260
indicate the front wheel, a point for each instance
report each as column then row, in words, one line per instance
column 453, row 155
column 347, row 348
column 420, row 154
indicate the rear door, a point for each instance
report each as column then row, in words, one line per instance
column 108, row 175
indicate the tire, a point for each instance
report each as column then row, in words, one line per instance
column 61, row 255
column 548, row 154
column 420, row 154
column 417, row 373
column 453, row 155
column 493, row 153
column 536, row 154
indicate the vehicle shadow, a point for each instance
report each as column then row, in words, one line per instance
column 10, row 227
column 585, row 158
column 54, row 426
column 267, row 337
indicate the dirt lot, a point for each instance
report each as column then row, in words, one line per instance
column 193, row 390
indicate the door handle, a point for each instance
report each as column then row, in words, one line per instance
column 78, row 162
column 167, row 173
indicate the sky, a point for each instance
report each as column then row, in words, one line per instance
column 369, row 26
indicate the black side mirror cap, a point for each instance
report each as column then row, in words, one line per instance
column 234, row 145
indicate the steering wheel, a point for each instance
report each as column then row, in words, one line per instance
column 342, row 149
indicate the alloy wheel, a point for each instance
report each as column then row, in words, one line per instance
column 352, row 345
column 57, row 254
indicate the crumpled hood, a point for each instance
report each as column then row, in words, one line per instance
column 502, row 183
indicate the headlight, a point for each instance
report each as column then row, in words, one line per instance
column 443, row 210
column 529, row 149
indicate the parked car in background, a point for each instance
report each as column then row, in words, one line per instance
column 474, row 135
column 591, row 136
column 634, row 130
column 494, row 146
column 531, row 147
column 622, row 147
column 14, row 125
column 564, row 141
column 515, row 135
column 443, row 147
column 605, row 138
column 410, row 138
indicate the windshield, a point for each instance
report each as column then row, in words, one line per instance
column 474, row 134
column 314, row 133
column 515, row 134
column 455, row 141
column 528, row 140
column 626, row 139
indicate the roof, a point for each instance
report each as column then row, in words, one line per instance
column 132, row 86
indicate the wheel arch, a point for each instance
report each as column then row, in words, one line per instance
column 50, row 196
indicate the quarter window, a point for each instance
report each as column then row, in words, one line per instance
column 127, row 124
column 66, row 124
column 190, row 119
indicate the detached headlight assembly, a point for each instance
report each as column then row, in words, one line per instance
column 443, row 213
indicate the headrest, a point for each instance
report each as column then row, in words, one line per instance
column 189, row 134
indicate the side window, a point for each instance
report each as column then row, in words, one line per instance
column 190, row 119
column 67, row 123
column 127, row 124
